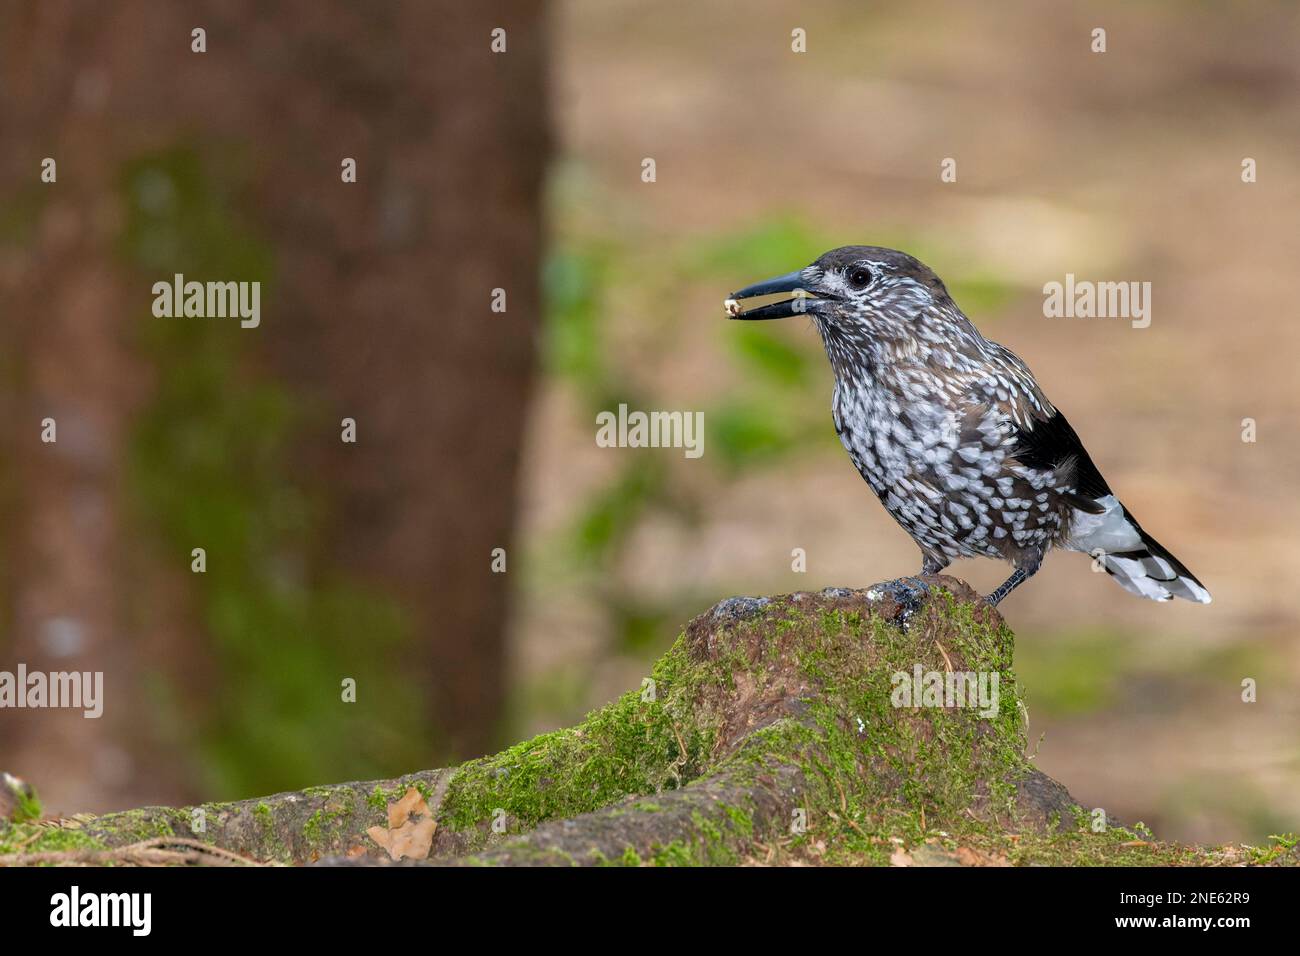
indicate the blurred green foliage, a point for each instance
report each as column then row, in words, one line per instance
column 1225, row 796
column 1074, row 673
column 609, row 519
column 210, row 468
column 575, row 281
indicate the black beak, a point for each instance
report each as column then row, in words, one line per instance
column 792, row 282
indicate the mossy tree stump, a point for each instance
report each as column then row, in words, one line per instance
column 769, row 731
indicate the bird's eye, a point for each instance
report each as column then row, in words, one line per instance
column 860, row 277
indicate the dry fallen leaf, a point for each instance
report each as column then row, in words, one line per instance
column 410, row 828
column 968, row 857
column 900, row 857
column 400, row 812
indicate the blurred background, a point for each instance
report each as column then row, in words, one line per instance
column 476, row 430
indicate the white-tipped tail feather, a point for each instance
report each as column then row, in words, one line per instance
column 1137, row 562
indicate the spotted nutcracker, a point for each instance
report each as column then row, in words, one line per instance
column 952, row 432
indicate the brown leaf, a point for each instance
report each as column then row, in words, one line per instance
column 410, row 828
column 968, row 857
column 400, row 811
column 900, row 857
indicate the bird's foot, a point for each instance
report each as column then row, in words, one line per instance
column 908, row 593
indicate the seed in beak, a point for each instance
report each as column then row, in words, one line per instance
column 732, row 307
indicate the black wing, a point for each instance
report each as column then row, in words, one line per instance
column 1053, row 445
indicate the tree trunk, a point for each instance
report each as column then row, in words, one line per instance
column 379, row 310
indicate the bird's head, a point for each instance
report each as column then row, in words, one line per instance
column 870, row 305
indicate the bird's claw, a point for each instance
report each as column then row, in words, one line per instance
column 908, row 593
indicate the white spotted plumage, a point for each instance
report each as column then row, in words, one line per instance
column 954, row 435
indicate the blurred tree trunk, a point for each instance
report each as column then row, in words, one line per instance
column 389, row 311
column 67, row 360
column 380, row 312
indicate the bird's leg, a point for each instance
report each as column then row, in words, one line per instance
column 932, row 565
column 1022, row 573
column 1018, row 577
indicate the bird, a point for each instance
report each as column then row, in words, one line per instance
column 952, row 431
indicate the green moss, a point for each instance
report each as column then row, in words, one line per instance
column 132, row 826
column 379, row 798
column 1285, row 843
column 676, row 853
column 328, row 827
column 312, row 829
column 706, row 849
column 633, row 746
column 27, row 805
column 922, row 763
column 29, row 838
column 741, row 820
